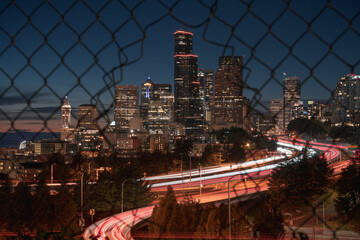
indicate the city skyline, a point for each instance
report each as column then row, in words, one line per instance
column 159, row 43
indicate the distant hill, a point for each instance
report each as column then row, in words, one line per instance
column 14, row 138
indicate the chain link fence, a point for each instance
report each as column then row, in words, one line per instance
column 58, row 52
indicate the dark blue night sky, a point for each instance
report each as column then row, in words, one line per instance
column 302, row 33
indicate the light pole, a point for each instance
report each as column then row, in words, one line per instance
column 190, row 167
column 122, row 192
column 82, row 197
column 51, row 173
column 200, row 181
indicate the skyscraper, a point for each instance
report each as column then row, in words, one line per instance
column 347, row 99
column 206, row 80
column 146, row 95
column 292, row 96
column 126, row 105
column 87, row 116
column 66, row 113
column 188, row 110
column 67, row 132
column 228, row 103
column 276, row 111
column 157, row 106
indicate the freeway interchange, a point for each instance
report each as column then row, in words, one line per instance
column 202, row 185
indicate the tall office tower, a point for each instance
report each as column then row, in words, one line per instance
column 276, row 112
column 291, row 95
column 347, row 99
column 146, row 95
column 161, row 110
column 88, row 116
column 228, row 100
column 206, row 80
column 126, row 105
column 66, row 113
column 188, row 110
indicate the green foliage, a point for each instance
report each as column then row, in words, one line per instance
column 183, row 148
column 5, row 197
column 211, row 155
column 307, row 126
column 232, row 135
column 153, row 163
column 237, row 153
column 42, row 207
column 106, row 195
column 21, row 215
column 205, row 221
column 349, row 133
column 64, row 210
column 348, row 201
column 162, row 213
column 297, row 183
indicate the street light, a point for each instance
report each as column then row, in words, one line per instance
column 122, row 192
column 82, row 197
column 229, row 206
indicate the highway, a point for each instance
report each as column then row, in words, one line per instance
column 119, row 226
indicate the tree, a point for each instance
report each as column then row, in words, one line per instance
column 211, row 155
column 162, row 212
column 213, row 225
column 308, row 126
column 232, row 135
column 5, row 199
column 269, row 222
column 42, row 206
column 183, row 148
column 348, row 201
column 64, row 210
column 20, row 219
column 294, row 184
column 237, row 153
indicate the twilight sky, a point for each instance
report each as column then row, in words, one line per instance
column 44, row 56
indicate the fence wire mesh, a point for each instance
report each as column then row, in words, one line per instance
column 57, row 53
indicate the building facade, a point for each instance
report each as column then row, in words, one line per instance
column 126, row 105
column 88, row 116
column 277, row 112
column 67, row 132
column 291, row 96
column 228, row 101
column 187, row 103
column 347, row 99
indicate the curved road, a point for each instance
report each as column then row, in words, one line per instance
column 119, row 226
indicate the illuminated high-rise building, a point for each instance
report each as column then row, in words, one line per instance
column 291, row 96
column 228, row 107
column 126, row 105
column 88, row 116
column 157, row 106
column 347, row 99
column 67, row 132
column 276, row 111
column 146, row 95
column 206, row 80
column 66, row 113
column 188, row 109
